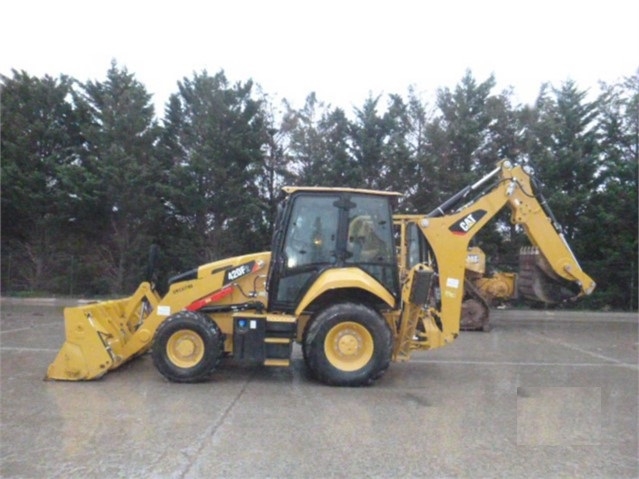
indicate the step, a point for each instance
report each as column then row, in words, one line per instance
column 281, row 325
column 281, row 318
column 278, row 340
column 277, row 362
column 278, row 348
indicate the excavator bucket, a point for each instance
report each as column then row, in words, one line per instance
column 538, row 281
column 97, row 333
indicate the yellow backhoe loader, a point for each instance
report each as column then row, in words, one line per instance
column 482, row 290
column 330, row 282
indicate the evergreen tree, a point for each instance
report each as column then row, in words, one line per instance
column 318, row 139
column 422, row 191
column 459, row 132
column 369, row 133
column 501, row 240
column 609, row 223
column 399, row 154
column 340, row 168
column 40, row 144
column 471, row 131
column 276, row 172
column 563, row 147
column 87, row 186
column 121, row 166
column 455, row 140
column 214, row 136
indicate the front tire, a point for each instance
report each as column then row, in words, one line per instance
column 348, row 345
column 187, row 347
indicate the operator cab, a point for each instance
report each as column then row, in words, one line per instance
column 322, row 228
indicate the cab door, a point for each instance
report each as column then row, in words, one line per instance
column 306, row 243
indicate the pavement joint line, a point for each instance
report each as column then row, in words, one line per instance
column 37, row 350
column 17, row 330
column 212, row 431
column 522, row 363
column 574, row 347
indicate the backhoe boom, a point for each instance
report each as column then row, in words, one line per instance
column 448, row 235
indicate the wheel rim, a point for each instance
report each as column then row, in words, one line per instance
column 185, row 348
column 349, row 346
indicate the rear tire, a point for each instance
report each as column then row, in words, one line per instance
column 347, row 344
column 187, row 347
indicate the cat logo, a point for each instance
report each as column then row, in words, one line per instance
column 467, row 223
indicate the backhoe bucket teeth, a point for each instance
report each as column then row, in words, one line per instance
column 97, row 333
column 537, row 281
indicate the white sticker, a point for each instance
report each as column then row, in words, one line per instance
column 253, row 324
column 164, row 310
column 452, row 283
column 473, row 258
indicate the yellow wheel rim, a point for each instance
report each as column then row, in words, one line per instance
column 349, row 346
column 185, row 348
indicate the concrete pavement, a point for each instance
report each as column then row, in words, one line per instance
column 544, row 394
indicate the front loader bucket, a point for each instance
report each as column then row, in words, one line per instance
column 96, row 334
column 537, row 280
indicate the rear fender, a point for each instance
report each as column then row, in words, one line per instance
column 344, row 278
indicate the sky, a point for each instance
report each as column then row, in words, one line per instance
column 343, row 50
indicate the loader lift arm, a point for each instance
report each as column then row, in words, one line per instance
column 448, row 230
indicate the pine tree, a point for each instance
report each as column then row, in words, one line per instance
column 369, row 133
column 608, row 226
column 214, row 137
column 40, row 144
column 563, row 147
column 319, row 145
column 121, row 167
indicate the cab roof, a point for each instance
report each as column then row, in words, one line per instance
column 321, row 189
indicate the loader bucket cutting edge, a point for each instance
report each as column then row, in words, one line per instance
column 537, row 281
column 96, row 334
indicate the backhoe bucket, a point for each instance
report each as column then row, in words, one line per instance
column 538, row 281
column 97, row 333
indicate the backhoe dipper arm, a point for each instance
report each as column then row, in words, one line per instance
column 448, row 236
column 530, row 210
